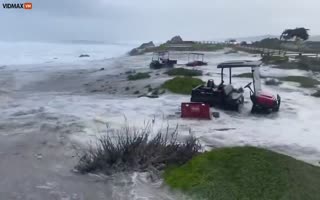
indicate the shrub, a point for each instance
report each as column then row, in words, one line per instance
column 182, row 85
column 245, row 173
column 132, row 149
column 184, row 72
column 138, row 76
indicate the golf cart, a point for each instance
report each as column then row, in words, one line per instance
column 227, row 97
column 196, row 59
column 162, row 60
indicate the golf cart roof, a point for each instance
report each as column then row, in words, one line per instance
column 239, row 64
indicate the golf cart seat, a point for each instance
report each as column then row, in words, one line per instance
column 228, row 89
column 210, row 84
column 231, row 92
column 236, row 95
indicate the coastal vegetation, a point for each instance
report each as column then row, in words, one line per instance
column 138, row 76
column 274, row 59
column 245, row 173
column 131, row 149
column 183, row 72
column 182, row 85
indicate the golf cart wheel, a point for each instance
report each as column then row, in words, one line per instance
column 277, row 108
column 254, row 109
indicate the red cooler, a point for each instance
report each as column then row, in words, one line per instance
column 195, row 110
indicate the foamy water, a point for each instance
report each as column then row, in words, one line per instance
column 24, row 53
column 82, row 117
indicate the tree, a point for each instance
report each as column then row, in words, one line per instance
column 297, row 34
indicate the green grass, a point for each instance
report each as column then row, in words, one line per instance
column 305, row 82
column 184, row 72
column 273, row 59
column 245, row 173
column 138, row 76
column 182, row 85
column 316, row 94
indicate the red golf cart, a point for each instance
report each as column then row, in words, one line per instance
column 227, row 97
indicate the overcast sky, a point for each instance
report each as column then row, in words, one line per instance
column 144, row 20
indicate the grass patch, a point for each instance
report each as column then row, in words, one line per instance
column 307, row 63
column 184, row 72
column 305, row 82
column 182, row 85
column 130, row 149
column 316, row 94
column 138, row 76
column 245, row 173
column 272, row 59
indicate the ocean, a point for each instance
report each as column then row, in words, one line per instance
column 25, row 53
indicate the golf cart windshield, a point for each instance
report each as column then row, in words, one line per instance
column 163, row 55
column 254, row 65
column 195, row 57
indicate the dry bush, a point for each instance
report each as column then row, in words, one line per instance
column 131, row 149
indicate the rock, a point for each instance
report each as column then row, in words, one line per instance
column 216, row 114
column 316, row 94
column 141, row 49
column 84, row 56
column 175, row 40
column 273, row 81
column 147, row 45
column 135, row 52
column 151, row 96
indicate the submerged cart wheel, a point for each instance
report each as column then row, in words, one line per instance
column 254, row 109
column 278, row 105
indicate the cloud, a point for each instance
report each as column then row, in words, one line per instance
column 156, row 20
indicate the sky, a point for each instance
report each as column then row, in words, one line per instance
column 145, row 20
